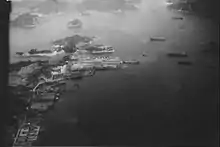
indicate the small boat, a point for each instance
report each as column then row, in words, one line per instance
column 175, row 17
column 91, row 62
column 185, row 63
column 103, row 51
column 157, row 39
column 106, row 67
column 131, row 62
column 100, row 46
column 181, row 54
column 99, row 49
column 35, row 51
column 19, row 53
column 110, row 60
column 30, row 26
column 169, row 2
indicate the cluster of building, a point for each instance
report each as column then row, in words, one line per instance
column 40, row 84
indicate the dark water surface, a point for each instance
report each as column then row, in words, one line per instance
column 156, row 103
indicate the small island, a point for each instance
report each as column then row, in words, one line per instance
column 25, row 20
column 75, row 23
